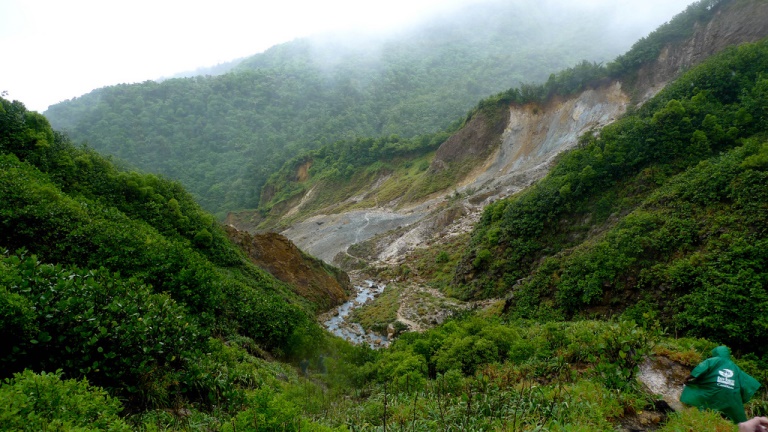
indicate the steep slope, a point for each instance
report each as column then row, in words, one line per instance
column 120, row 278
column 534, row 134
column 739, row 22
column 308, row 277
column 660, row 215
column 503, row 147
column 484, row 162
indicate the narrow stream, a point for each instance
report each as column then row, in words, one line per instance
column 354, row 332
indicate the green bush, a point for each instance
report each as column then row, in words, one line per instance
column 442, row 257
column 91, row 322
column 17, row 319
column 37, row 402
column 268, row 412
column 141, row 227
column 203, row 238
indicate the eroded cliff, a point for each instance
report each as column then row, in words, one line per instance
column 737, row 23
column 309, row 277
column 496, row 154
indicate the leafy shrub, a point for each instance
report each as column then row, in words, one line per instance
column 203, row 238
column 402, row 369
column 442, row 257
column 621, row 352
column 268, row 411
column 36, row 402
column 17, row 319
column 90, row 322
column 482, row 258
column 150, row 247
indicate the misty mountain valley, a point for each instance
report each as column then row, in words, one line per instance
column 509, row 216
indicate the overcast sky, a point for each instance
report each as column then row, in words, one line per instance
column 53, row 50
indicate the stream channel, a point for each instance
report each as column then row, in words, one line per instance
column 339, row 325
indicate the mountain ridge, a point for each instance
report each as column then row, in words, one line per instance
column 222, row 136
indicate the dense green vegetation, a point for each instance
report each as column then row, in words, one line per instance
column 666, row 205
column 471, row 373
column 121, row 278
column 481, row 374
column 222, row 136
column 102, row 331
column 45, row 402
column 124, row 307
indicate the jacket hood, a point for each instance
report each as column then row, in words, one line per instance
column 721, row 351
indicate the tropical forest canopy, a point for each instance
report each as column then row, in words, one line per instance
column 222, row 136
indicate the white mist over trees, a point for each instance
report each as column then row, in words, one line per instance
column 116, row 42
column 222, row 137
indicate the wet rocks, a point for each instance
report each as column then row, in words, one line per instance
column 336, row 321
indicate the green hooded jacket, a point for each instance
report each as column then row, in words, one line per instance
column 720, row 385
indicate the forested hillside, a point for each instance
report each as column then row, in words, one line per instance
column 222, row 136
column 123, row 305
column 661, row 214
column 122, row 279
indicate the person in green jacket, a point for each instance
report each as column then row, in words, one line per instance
column 718, row 384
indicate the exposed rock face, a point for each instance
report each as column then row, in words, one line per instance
column 302, row 174
column 310, row 278
column 664, row 377
column 508, row 154
column 501, row 155
column 244, row 219
column 535, row 134
column 739, row 22
column 325, row 236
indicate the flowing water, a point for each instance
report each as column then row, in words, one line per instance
column 354, row 332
